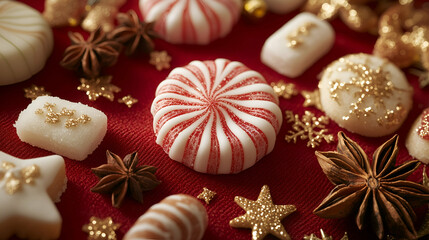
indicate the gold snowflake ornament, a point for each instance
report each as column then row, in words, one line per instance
column 285, row 90
column 324, row 236
column 97, row 87
column 101, row 229
column 262, row 216
column 128, row 100
column 161, row 60
column 206, row 195
column 312, row 99
column 35, row 91
column 306, row 128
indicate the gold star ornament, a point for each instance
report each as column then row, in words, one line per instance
column 161, row 60
column 101, row 229
column 312, row 99
column 262, row 216
column 35, row 91
column 97, row 87
column 128, row 100
column 206, row 195
column 285, row 90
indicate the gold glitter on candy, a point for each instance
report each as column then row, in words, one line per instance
column 262, row 216
column 312, row 99
column 324, row 236
column 285, row 90
column 423, row 129
column 97, row 87
column 14, row 179
column 206, row 195
column 392, row 117
column 128, row 100
column 306, row 128
column 101, row 229
column 295, row 37
column 54, row 117
column 161, row 60
column 34, row 91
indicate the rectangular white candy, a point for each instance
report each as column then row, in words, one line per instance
column 73, row 130
column 298, row 44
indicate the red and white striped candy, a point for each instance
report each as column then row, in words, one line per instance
column 191, row 21
column 174, row 218
column 216, row 117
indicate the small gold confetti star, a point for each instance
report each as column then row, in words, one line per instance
column 206, row 195
column 101, row 229
column 128, row 100
column 161, row 60
column 262, row 216
column 324, row 236
column 312, row 99
column 97, row 87
column 285, row 90
column 34, row 91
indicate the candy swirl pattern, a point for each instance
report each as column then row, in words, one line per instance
column 26, row 42
column 191, row 21
column 176, row 217
column 217, row 117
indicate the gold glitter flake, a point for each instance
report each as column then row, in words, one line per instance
column 324, row 236
column 35, row 91
column 295, row 37
column 161, row 60
column 423, row 129
column 97, row 87
column 128, row 100
column 206, row 195
column 101, row 229
column 54, row 117
column 312, row 99
column 262, row 216
column 305, row 128
column 285, row 90
column 7, row 165
column 15, row 178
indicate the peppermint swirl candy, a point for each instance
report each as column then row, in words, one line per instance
column 216, row 117
column 192, row 22
column 26, row 42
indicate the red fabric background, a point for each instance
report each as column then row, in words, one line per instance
column 291, row 170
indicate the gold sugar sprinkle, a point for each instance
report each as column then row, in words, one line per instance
column 393, row 117
column 206, row 195
column 285, row 90
column 423, row 129
column 295, row 37
column 101, row 229
column 7, row 165
column 34, row 91
column 128, row 100
column 53, row 117
column 15, row 183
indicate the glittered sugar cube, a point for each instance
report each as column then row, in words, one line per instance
column 73, row 130
column 298, row 45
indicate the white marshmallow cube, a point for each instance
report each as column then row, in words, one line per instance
column 73, row 130
column 298, row 45
column 283, row 6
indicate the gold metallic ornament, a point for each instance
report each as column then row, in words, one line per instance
column 128, row 100
column 161, row 60
column 262, row 216
column 254, row 9
column 97, row 87
column 34, row 91
column 285, row 90
column 206, row 195
column 101, row 229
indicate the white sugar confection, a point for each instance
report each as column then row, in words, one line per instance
column 73, row 130
column 28, row 190
column 365, row 94
column 26, row 42
column 191, row 22
column 417, row 141
column 298, row 45
column 283, row 6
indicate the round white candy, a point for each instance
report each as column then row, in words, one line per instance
column 365, row 94
column 417, row 141
column 191, row 22
column 216, row 117
column 25, row 42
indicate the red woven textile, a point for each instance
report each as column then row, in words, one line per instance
column 291, row 170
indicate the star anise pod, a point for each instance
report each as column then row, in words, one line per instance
column 90, row 56
column 377, row 193
column 121, row 176
column 133, row 33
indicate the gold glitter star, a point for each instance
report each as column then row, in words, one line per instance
column 206, row 195
column 128, row 100
column 312, row 99
column 161, row 60
column 305, row 128
column 101, row 229
column 97, row 87
column 34, row 91
column 262, row 216
column 324, row 236
column 424, row 228
column 285, row 90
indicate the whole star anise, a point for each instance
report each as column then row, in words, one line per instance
column 120, row 176
column 90, row 56
column 377, row 193
column 133, row 33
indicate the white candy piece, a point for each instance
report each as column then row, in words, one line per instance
column 26, row 42
column 177, row 217
column 191, row 22
column 73, row 130
column 365, row 94
column 216, row 117
column 297, row 45
column 28, row 189
column 283, row 6
column 417, row 146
